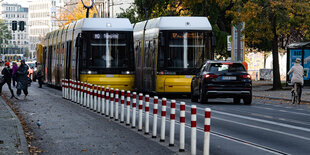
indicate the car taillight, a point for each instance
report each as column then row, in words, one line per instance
column 248, row 76
column 210, row 76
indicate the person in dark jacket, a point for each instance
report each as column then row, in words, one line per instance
column 7, row 76
column 22, row 79
column 40, row 75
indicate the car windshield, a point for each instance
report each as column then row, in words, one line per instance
column 219, row 68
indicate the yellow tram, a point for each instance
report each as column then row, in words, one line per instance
column 93, row 50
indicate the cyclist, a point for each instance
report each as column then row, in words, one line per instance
column 298, row 72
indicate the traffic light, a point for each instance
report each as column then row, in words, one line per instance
column 21, row 25
column 14, row 25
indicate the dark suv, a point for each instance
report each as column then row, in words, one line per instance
column 222, row 79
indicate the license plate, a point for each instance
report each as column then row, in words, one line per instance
column 229, row 78
column 188, row 76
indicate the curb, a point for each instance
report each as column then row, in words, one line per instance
column 277, row 98
column 20, row 132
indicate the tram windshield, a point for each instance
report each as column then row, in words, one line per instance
column 108, row 50
column 185, row 50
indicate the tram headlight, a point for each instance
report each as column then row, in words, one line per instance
column 92, row 72
column 127, row 72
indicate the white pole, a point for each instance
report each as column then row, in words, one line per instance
column 155, row 110
column 63, row 88
column 193, row 129
column 99, row 99
column 172, row 123
column 91, row 97
column 69, row 90
column 75, row 92
column 134, row 104
column 107, row 102
column 78, row 92
column 182, row 127
column 147, row 114
column 85, row 94
column 122, row 105
column 206, row 139
column 140, row 112
column 102, row 100
column 112, row 103
column 163, row 119
column 116, row 104
column 128, row 109
column 88, row 95
column 95, row 97
column 82, row 93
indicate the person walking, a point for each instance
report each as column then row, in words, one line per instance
column 298, row 72
column 14, row 69
column 7, row 76
column 22, row 79
column 40, row 75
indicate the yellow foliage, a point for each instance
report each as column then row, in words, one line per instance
column 77, row 13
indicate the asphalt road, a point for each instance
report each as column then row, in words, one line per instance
column 265, row 127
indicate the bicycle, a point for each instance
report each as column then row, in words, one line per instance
column 296, row 93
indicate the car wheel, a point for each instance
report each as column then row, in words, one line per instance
column 247, row 100
column 236, row 100
column 202, row 96
column 193, row 97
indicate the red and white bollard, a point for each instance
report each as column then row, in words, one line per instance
column 128, row 109
column 134, row 105
column 85, row 94
column 163, row 119
column 107, row 101
column 69, row 90
column 73, row 90
column 193, row 129
column 112, row 103
column 88, row 95
column 182, row 127
column 140, row 112
column 63, row 88
column 122, row 105
column 78, row 92
column 95, row 97
column 116, row 104
column 206, row 139
column 82, row 93
column 102, row 100
column 147, row 114
column 99, row 99
column 91, row 97
column 172, row 123
column 155, row 110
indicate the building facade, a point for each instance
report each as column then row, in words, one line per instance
column 111, row 8
column 19, row 43
column 43, row 18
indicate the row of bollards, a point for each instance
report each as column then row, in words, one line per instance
column 105, row 100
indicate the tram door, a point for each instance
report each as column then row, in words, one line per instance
column 68, row 59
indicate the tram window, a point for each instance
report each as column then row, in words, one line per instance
column 109, row 50
column 185, row 50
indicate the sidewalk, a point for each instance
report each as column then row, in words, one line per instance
column 12, row 138
column 262, row 89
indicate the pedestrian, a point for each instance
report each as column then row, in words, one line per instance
column 14, row 69
column 7, row 76
column 22, row 79
column 40, row 75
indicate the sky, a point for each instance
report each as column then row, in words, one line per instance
column 24, row 3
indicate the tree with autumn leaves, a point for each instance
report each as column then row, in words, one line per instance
column 75, row 13
column 269, row 24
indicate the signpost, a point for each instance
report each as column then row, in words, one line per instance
column 237, row 52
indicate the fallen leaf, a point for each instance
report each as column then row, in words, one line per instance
column 84, row 150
